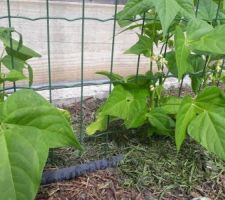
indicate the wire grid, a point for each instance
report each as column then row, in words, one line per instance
column 82, row 82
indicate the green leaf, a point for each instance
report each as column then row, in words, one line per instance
column 182, row 53
column 195, row 83
column 131, row 9
column 115, row 78
column 208, row 127
column 185, row 115
column 212, row 42
column 5, row 33
column 99, row 125
column 23, row 154
column 137, row 81
column 197, row 28
column 161, row 121
column 17, row 50
column 24, row 53
column 187, row 8
column 153, row 30
column 128, row 104
column 143, row 46
column 66, row 114
column 19, row 65
column 210, row 98
column 27, row 108
column 171, row 105
column 167, row 11
column 210, row 102
column 171, row 65
column 207, row 10
column 209, row 130
column 197, row 63
column 29, row 126
column 14, row 75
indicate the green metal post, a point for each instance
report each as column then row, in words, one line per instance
column 49, row 53
column 139, row 56
column 11, row 44
column 82, row 72
column 113, row 43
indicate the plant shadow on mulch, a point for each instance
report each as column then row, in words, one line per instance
column 151, row 169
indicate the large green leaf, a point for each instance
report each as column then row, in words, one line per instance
column 209, row 130
column 29, row 126
column 210, row 98
column 207, row 10
column 167, row 11
column 143, row 46
column 212, row 42
column 131, row 9
column 197, row 28
column 182, row 53
column 187, row 8
column 185, row 115
column 129, row 104
column 204, row 118
column 26, row 108
column 23, row 154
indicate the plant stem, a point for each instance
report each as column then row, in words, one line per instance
column 205, row 70
column 151, row 64
column 2, row 85
column 152, row 100
column 219, row 75
column 181, row 85
column 204, row 73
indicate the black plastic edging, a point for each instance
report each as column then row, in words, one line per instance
column 76, row 171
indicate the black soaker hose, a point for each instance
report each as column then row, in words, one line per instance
column 75, row 171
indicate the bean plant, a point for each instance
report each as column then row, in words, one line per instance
column 29, row 124
column 190, row 36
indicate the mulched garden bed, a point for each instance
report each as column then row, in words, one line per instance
column 150, row 170
column 100, row 185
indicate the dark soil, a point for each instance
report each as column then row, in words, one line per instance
column 150, row 170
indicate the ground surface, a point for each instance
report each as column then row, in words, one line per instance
column 150, row 170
